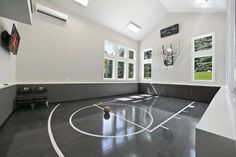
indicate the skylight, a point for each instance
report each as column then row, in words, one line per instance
column 82, row 2
column 133, row 27
column 201, row 2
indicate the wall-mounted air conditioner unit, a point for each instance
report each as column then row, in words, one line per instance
column 50, row 12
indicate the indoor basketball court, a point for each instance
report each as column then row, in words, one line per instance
column 136, row 123
column 117, row 78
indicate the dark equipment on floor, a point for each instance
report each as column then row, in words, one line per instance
column 29, row 96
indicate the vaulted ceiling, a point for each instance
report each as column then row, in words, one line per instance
column 193, row 6
column 116, row 14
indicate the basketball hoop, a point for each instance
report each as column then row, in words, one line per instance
column 167, row 55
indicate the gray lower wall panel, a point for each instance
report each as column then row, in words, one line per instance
column 68, row 92
column 65, row 92
column 212, row 145
column 196, row 93
column 7, row 97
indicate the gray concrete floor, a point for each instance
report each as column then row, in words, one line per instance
column 139, row 126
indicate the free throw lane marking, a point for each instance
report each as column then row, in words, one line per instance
column 54, row 144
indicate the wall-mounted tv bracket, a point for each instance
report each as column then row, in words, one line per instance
column 5, row 38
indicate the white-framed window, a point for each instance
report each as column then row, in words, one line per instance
column 131, row 54
column 108, row 68
column 147, row 64
column 121, row 51
column 131, row 64
column 120, row 70
column 203, row 58
column 119, row 62
column 109, row 48
column 131, row 71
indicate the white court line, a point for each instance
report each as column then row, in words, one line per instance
column 54, row 144
column 158, row 126
column 185, row 111
column 164, row 127
column 122, row 118
column 105, row 136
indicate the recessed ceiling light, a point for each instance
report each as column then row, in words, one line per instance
column 201, row 2
column 133, row 27
column 83, row 2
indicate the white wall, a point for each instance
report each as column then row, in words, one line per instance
column 191, row 25
column 7, row 59
column 231, row 63
column 231, row 44
column 53, row 51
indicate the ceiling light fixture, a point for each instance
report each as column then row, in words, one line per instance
column 82, row 2
column 134, row 27
column 201, row 2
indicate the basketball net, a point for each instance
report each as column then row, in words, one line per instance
column 168, row 58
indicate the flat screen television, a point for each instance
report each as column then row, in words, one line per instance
column 14, row 40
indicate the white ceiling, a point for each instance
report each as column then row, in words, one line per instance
column 116, row 14
column 192, row 6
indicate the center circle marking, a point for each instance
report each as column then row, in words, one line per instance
column 105, row 136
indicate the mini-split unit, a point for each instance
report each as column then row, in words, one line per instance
column 50, row 12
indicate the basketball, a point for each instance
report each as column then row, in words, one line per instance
column 107, row 116
column 107, row 109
